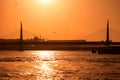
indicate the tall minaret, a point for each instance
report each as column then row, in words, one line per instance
column 21, row 38
column 107, row 34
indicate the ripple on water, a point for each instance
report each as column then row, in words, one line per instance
column 60, row 65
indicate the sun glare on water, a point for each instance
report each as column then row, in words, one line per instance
column 44, row 55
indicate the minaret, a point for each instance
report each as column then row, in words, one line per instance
column 107, row 35
column 21, row 38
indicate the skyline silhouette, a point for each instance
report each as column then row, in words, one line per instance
column 100, row 33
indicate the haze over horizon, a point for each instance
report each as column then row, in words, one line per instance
column 62, row 19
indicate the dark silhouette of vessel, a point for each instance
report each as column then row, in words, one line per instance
column 107, row 49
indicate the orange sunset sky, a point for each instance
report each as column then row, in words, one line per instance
column 60, row 19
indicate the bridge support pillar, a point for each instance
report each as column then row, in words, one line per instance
column 21, row 38
column 107, row 35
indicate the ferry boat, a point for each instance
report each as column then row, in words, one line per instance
column 109, row 50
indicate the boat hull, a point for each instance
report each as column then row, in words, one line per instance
column 107, row 50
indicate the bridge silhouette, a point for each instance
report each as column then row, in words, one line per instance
column 54, row 44
column 15, row 34
column 100, row 35
column 93, row 36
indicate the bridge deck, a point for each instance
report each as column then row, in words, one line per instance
column 58, row 43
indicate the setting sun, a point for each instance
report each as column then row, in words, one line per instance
column 45, row 1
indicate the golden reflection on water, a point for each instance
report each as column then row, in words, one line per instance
column 44, row 55
column 44, row 71
column 44, row 67
column 58, row 65
column 47, row 71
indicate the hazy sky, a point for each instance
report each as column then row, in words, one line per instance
column 61, row 19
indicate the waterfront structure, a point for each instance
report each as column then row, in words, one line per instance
column 21, row 38
column 107, row 35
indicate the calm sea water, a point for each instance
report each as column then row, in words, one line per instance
column 58, row 65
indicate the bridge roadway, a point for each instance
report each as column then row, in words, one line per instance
column 58, row 43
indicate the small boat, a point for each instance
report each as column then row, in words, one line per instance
column 107, row 50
